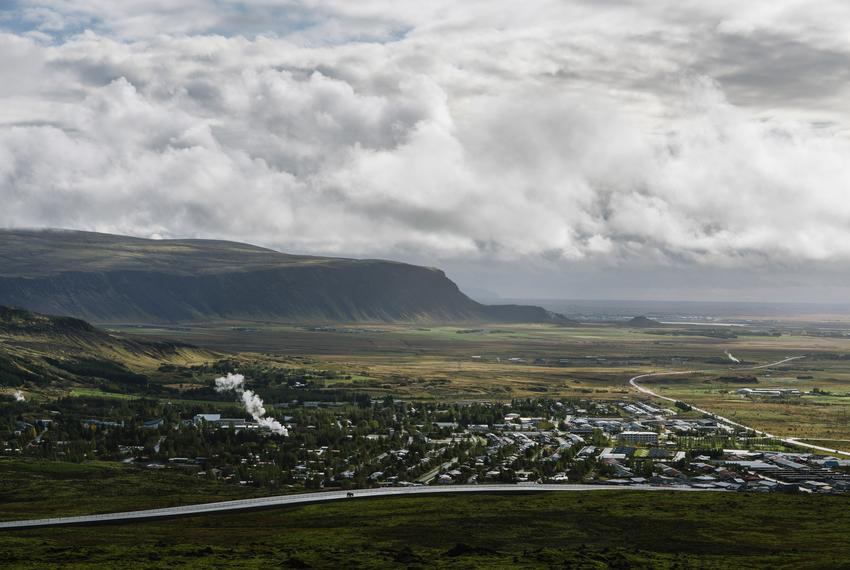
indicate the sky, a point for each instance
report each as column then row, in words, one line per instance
column 672, row 149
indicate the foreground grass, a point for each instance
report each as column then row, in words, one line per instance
column 603, row 529
column 35, row 489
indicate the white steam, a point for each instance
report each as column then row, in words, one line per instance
column 732, row 358
column 252, row 402
column 230, row 382
column 19, row 396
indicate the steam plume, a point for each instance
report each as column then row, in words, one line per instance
column 732, row 358
column 19, row 396
column 230, row 382
column 253, row 403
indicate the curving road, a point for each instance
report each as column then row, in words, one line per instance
column 283, row 500
column 788, row 440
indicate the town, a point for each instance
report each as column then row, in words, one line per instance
column 365, row 443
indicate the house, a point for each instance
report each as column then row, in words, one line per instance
column 725, row 474
column 617, row 482
column 587, row 451
column 672, row 472
column 206, row 418
column 664, row 480
column 704, row 479
column 619, row 469
column 769, row 392
column 101, row 423
column 624, row 450
column 816, row 486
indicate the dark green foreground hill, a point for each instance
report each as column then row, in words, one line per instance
column 598, row 530
column 108, row 278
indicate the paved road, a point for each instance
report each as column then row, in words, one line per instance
column 283, row 500
column 789, row 440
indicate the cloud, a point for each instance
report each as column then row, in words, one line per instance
column 683, row 133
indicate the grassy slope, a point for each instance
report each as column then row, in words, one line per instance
column 40, row 350
column 33, row 488
column 35, row 254
column 593, row 530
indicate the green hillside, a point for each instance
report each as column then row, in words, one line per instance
column 118, row 279
column 47, row 353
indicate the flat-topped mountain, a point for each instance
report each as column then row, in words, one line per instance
column 109, row 278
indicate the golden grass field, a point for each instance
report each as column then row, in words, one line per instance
column 451, row 363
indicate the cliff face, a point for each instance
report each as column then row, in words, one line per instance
column 104, row 278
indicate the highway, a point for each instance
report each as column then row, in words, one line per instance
column 320, row 497
column 788, row 440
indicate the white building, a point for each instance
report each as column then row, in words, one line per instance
column 638, row 436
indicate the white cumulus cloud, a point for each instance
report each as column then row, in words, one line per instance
column 677, row 132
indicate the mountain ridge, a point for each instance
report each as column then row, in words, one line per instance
column 108, row 278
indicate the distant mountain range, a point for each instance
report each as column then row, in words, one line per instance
column 117, row 279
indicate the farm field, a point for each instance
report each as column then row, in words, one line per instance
column 533, row 340
column 442, row 363
column 820, row 413
column 38, row 488
column 594, row 361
